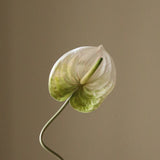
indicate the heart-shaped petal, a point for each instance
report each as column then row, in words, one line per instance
column 70, row 76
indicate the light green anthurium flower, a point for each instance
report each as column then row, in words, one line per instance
column 86, row 74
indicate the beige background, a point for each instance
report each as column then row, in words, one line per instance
column 35, row 33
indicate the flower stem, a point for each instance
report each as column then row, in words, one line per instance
column 86, row 77
column 46, row 126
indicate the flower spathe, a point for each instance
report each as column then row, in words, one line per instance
column 66, row 76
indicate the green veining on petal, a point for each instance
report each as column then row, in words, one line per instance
column 80, row 74
column 84, row 101
column 59, row 89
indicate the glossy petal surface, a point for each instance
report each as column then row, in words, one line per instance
column 66, row 74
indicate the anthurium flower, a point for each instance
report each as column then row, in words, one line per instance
column 86, row 74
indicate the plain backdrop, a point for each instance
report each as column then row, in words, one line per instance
column 35, row 33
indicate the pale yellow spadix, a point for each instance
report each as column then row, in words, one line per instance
column 86, row 77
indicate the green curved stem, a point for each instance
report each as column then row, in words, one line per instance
column 46, row 126
column 83, row 81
